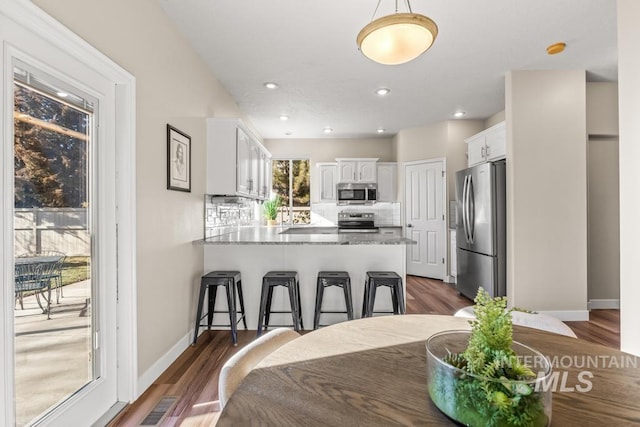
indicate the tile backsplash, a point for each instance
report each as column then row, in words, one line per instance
column 223, row 214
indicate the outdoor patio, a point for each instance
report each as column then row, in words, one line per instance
column 52, row 357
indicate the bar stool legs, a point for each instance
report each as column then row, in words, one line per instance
column 383, row 278
column 232, row 282
column 289, row 279
column 332, row 278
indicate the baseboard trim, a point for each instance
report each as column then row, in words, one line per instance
column 568, row 315
column 603, row 304
column 150, row 375
column 449, row 279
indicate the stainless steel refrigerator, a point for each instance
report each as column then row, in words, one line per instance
column 481, row 229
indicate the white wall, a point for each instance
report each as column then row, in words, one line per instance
column 173, row 86
column 629, row 105
column 327, row 150
column 546, row 191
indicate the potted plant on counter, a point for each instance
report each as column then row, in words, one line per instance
column 483, row 377
column 270, row 209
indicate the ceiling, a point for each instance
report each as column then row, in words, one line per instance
column 308, row 47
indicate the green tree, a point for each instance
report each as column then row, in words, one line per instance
column 50, row 162
column 301, row 194
column 280, row 180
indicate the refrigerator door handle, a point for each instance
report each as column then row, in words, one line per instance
column 471, row 205
column 464, row 208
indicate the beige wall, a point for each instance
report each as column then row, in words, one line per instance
column 629, row 103
column 546, row 190
column 603, row 220
column 494, row 120
column 173, row 86
column 602, row 108
column 438, row 140
column 458, row 131
column 327, row 150
column 603, row 197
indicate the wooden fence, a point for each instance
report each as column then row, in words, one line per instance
column 52, row 229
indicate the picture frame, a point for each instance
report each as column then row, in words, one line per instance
column 178, row 160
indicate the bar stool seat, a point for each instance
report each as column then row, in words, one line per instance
column 390, row 279
column 232, row 282
column 288, row 279
column 332, row 278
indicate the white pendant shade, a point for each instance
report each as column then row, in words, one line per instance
column 396, row 39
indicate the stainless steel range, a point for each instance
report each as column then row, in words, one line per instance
column 356, row 222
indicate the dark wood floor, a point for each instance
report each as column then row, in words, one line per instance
column 193, row 378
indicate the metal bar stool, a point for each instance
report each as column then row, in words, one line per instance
column 231, row 281
column 332, row 278
column 375, row 279
column 288, row 279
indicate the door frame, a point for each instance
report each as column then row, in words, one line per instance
column 42, row 26
column 445, row 207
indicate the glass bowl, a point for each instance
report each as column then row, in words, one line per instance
column 480, row 401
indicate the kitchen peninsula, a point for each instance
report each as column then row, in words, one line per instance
column 256, row 250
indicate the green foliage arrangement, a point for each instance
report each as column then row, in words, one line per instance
column 498, row 388
column 270, row 208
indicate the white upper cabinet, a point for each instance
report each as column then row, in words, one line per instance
column 237, row 163
column 488, row 145
column 244, row 168
column 367, row 171
column 387, row 178
column 357, row 170
column 347, row 171
column 328, row 178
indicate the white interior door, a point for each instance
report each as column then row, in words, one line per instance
column 424, row 218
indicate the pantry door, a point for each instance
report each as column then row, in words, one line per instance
column 424, row 218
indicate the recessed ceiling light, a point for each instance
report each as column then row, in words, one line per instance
column 383, row 91
column 556, row 48
column 284, row 118
column 459, row 114
column 327, row 130
column 380, row 130
column 62, row 94
column 271, row 85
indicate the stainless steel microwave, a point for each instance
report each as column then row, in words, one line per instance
column 356, row 194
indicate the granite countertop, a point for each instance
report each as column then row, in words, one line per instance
column 273, row 236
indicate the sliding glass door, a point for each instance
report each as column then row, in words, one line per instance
column 56, row 321
column 59, row 312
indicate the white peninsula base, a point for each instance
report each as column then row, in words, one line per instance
column 254, row 260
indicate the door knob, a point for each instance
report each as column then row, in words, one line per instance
column 409, row 225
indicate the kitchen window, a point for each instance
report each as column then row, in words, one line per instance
column 291, row 182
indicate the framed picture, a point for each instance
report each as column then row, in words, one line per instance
column 178, row 160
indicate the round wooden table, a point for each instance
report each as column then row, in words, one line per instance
column 372, row 372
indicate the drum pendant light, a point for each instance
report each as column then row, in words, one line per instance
column 397, row 38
